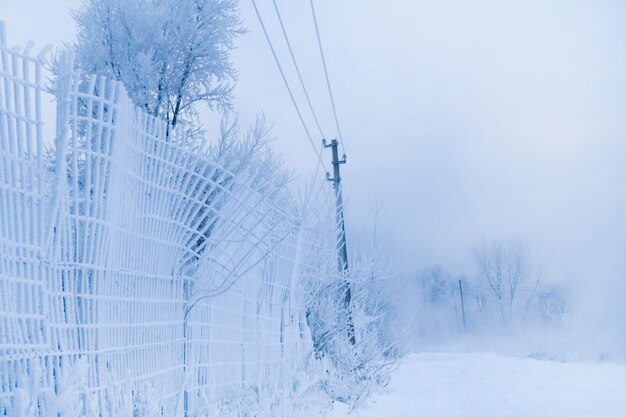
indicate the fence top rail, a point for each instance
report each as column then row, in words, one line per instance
column 25, row 53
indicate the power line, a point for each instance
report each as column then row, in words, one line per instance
column 295, row 64
column 330, row 90
column 282, row 73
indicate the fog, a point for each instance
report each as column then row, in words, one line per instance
column 463, row 120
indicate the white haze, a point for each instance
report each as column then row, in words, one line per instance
column 466, row 120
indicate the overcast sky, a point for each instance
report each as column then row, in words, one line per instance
column 465, row 120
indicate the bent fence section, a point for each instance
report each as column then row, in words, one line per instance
column 137, row 276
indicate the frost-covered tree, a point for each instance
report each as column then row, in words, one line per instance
column 169, row 54
column 503, row 265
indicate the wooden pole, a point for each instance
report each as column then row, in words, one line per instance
column 342, row 258
column 462, row 304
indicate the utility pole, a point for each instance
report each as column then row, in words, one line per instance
column 462, row 305
column 342, row 257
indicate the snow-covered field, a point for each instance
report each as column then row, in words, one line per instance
column 486, row 385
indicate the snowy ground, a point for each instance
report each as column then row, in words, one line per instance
column 485, row 385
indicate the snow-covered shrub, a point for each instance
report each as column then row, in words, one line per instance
column 30, row 399
column 300, row 397
column 352, row 372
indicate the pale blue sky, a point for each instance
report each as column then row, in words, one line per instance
column 464, row 119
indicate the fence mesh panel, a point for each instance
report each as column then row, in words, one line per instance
column 134, row 269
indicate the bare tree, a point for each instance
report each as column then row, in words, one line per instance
column 503, row 264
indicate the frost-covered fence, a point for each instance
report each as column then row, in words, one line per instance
column 138, row 277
